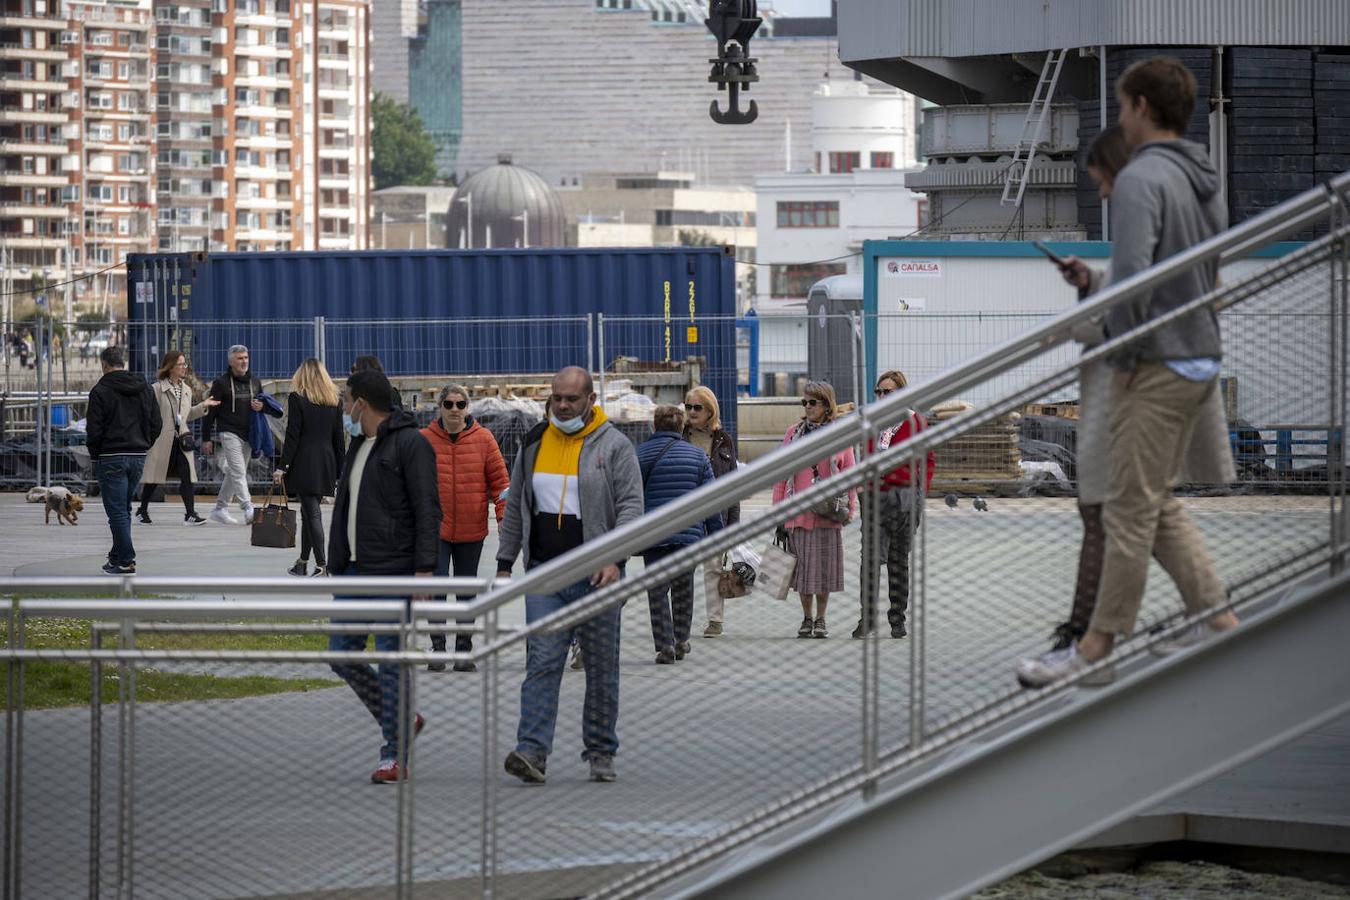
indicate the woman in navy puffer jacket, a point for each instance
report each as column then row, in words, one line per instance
column 672, row 467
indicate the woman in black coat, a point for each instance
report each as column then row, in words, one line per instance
column 312, row 457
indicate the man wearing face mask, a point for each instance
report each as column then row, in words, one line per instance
column 386, row 521
column 577, row 479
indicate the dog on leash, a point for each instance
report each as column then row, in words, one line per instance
column 66, row 505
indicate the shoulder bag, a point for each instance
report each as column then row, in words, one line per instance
column 274, row 524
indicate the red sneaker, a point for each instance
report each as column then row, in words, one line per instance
column 388, row 772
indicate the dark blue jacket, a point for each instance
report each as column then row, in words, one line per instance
column 672, row 467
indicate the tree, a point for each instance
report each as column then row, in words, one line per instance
column 402, row 151
column 693, row 237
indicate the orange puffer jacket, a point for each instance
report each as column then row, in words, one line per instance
column 470, row 475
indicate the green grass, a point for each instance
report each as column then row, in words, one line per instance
column 55, row 683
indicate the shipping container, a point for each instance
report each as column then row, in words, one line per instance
column 442, row 312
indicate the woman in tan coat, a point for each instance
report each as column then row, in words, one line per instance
column 166, row 456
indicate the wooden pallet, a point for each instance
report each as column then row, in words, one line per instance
column 1058, row 410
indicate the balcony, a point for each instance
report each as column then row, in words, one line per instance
column 11, row 82
column 10, row 208
column 10, row 20
column 15, row 178
column 17, row 51
column 37, row 148
column 34, row 242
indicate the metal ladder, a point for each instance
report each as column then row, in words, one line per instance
column 1019, row 172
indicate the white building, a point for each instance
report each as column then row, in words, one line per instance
column 812, row 224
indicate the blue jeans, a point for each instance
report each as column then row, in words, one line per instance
column 117, row 479
column 545, row 659
column 380, row 693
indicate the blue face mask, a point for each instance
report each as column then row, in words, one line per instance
column 353, row 426
column 571, row 426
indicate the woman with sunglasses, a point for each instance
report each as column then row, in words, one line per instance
column 815, row 539
column 901, row 508
column 471, row 476
column 311, row 457
column 703, row 428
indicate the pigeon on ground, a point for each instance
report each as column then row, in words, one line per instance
column 980, row 504
column 951, row 501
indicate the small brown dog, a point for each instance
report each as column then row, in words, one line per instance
column 66, row 505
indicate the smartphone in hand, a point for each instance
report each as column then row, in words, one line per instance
column 1052, row 256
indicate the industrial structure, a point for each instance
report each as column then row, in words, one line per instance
column 1023, row 86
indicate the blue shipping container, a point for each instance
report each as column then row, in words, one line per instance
column 440, row 312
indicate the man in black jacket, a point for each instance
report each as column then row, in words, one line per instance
column 386, row 521
column 237, row 390
column 122, row 422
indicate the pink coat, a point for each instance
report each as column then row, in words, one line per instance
column 802, row 481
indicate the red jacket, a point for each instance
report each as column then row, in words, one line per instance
column 470, row 475
column 899, row 477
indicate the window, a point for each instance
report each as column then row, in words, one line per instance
column 883, row 160
column 808, row 214
column 923, row 214
column 843, row 163
column 794, row 282
column 123, row 194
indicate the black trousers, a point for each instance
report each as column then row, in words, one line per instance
column 178, row 465
column 671, row 604
column 311, row 528
column 897, row 542
column 463, row 557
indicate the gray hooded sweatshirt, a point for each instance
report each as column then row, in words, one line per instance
column 1165, row 201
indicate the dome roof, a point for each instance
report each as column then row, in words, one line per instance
column 493, row 207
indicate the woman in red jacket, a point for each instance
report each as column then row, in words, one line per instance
column 901, row 507
column 471, row 477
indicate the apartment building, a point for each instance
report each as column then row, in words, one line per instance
column 335, row 163
column 38, row 165
column 186, row 125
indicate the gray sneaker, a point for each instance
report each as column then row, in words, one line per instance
column 714, row 629
column 529, row 769
column 602, row 769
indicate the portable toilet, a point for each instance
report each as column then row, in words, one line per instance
column 834, row 343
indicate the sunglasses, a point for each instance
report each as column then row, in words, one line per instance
column 455, row 404
column 810, row 401
column 694, row 407
column 882, row 392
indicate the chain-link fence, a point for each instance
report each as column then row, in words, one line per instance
column 167, row 790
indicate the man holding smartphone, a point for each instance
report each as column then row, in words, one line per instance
column 1165, row 201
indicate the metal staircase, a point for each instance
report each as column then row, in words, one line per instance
column 1033, row 126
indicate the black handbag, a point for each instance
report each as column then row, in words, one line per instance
column 273, row 524
column 186, row 441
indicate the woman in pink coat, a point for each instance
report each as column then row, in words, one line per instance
column 816, row 540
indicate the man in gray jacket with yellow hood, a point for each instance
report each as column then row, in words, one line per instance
column 574, row 479
column 1164, row 201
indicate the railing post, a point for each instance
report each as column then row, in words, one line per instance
column 590, row 344
column 95, row 763
column 918, row 624
column 488, row 850
column 14, row 758
column 403, row 837
column 871, row 510
column 126, row 758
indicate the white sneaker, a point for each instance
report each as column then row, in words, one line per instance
column 248, row 514
column 222, row 517
column 1050, row 667
column 1196, row 634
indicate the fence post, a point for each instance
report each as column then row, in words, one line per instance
column 600, row 331
column 751, row 326
column 321, row 340
column 590, row 343
column 871, row 511
column 13, row 757
column 37, row 410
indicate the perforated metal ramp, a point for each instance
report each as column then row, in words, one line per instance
column 1064, row 769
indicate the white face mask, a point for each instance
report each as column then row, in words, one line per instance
column 353, row 425
column 571, row 426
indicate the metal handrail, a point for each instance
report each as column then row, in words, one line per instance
column 632, row 538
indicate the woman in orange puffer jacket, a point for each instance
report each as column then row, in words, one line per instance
column 470, row 476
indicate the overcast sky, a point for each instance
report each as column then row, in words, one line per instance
column 802, row 7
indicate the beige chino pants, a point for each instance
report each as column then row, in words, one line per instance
column 1151, row 425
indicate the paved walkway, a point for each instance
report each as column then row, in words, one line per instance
column 269, row 796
